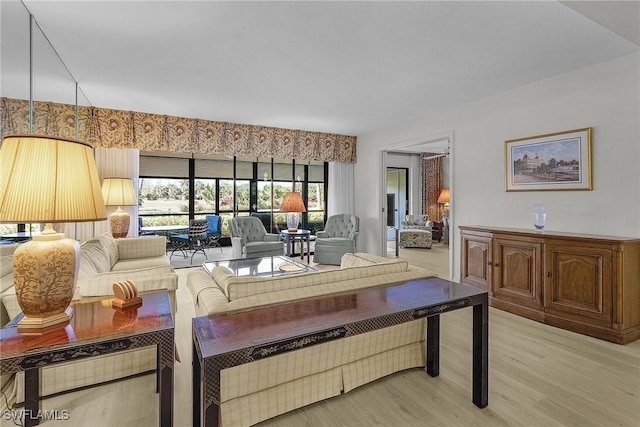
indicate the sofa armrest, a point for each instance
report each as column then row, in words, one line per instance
column 354, row 236
column 236, row 247
column 270, row 237
column 322, row 234
column 141, row 247
column 207, row 296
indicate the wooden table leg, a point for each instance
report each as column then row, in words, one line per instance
column 481, row 353
column 31, row 397
column 196, row 387
column 433, row 345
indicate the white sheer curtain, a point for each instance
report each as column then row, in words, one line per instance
column 111, row 163
column 340, row 192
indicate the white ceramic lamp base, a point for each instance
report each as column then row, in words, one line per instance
column 119, row 223
column 292, row 221
column 45, row 271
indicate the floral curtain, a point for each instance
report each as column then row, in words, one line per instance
column 431, row 186
column 107, row 128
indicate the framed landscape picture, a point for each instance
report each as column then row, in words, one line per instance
column 556, row 161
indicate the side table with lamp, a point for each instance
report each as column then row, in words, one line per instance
column 50, row 180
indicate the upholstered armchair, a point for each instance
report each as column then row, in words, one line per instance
column 249, row 239
column 420, row 222
column 416, row 232
column 339, row 237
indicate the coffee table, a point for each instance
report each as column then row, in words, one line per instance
column 270, row 266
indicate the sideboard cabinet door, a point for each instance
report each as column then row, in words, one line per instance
column 579, row 283
column 476, row 262
column 517, row 272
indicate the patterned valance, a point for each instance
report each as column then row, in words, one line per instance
column 107, row 128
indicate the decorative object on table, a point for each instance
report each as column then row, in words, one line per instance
column 444, row 199
column 556, row 161
column 293, row 205
column 289, row 268
column 539, row 216
column 126, row 295
column 45, row 179
column 119, row 192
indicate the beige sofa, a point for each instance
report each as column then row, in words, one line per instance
column 269, row 387
column 103, row 261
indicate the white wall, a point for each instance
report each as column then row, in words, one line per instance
column 605, row 97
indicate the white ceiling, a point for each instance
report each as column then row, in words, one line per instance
column 340, row 67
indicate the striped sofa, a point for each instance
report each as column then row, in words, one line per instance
column 103, row 261
column 266, row 388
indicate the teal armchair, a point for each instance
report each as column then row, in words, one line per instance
column 249, row 239
column 340, row 236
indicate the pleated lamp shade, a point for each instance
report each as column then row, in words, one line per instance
column 45, row 179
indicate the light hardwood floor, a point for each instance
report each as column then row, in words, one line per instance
column 538, row 376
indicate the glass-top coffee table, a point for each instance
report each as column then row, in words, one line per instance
column 261, row 267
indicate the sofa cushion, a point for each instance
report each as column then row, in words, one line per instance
column 141, row 263
column 95, row 252
column 87, row 269
column 142, row 247
column 112, row 248
column 235, row 287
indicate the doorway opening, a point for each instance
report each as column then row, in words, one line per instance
column 397, row 195
column 413, row 157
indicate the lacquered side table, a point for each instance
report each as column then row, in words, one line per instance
column 291, row 236
column 95, row 329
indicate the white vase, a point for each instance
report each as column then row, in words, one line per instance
column 539, row 217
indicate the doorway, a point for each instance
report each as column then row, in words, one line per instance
column 410, row 154
column 397, row 195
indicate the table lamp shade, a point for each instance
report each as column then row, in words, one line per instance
column 48, row 180
column 292, row 204
column 119, row 192
column 45, row 179
column 444, row 196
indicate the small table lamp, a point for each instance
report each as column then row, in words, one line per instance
column 44, row 179
column 444, row 198
column 293, row 205
column 119, row 192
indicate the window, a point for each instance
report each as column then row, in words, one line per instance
column 226, row 186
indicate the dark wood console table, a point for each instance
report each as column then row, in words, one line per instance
column 95, row 329
column 222, row 341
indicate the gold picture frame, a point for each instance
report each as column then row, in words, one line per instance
column 555, row 161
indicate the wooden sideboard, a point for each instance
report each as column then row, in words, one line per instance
column 585, row 283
